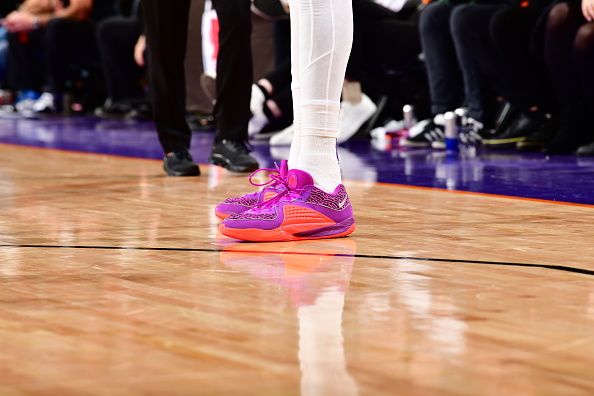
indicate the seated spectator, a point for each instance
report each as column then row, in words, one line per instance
column 449, row 89
column 569, row 53
column 46, row 38
column 121, row 45
column 496, row 38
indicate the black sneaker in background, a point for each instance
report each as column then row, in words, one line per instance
column 539, row 139
column 524, row 125
column 180, row 163
column 272, row 10
column 432, row 134
column 233, row 156
column 506, row 114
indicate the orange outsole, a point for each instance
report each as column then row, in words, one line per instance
column 221, row 216
column 274, row 235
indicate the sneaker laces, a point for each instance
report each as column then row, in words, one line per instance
column 273, row 177
column 471, row 132
column 288, row 193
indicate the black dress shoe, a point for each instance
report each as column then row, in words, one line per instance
column 272, row 10
column 234, row 156
column 180, row 163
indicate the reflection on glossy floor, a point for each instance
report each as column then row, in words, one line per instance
column 113, row 281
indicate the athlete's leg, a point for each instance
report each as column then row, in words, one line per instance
column 322, row 39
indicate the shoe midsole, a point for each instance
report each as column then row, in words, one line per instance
column 328, row 230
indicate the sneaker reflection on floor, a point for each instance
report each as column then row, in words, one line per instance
column 316, row 275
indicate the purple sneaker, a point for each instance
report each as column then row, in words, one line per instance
column 237, row 205
column 300, row 211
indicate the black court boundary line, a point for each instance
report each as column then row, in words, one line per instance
column 563, row 268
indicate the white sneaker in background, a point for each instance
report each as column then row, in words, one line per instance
column 259, row 119
column 45, row 103
column 25, row 106
column 257, row 124
column 257, row 100
column 353, row 116
column 283, row 138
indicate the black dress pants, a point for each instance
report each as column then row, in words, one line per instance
column 67, row 43
column 25, row 55
column 443, row 69
column 234, row 68
column 166, row 31
column 382, row 36
column 117, row 38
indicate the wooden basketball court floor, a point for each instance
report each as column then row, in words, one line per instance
column 113, row 281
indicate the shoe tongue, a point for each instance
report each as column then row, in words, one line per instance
column 284, row 168
column 297, row 179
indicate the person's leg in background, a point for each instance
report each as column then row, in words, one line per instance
column 166, row 34
column 443, row 71
column 25, row 77
column 269, row 99
column 564, row 21
column 480, row 64
column 469, row 24
column 315, row 203
column 445, row 79
column 117, row 38
column 234, row 86
column 282, row 41
column 524, row 83
column 67, row 42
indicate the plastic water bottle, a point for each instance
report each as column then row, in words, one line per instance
column 451, row 133
column 408, row 113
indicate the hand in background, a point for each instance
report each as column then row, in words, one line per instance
column 588, row 9
column 20, row 21
column 139, row 50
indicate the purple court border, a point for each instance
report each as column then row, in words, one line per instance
column 564, row 178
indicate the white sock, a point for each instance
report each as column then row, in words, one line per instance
column 324, row 30
column 295, row 149
column 319, row 159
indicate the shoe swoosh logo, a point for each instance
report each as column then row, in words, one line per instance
column 344, row 201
